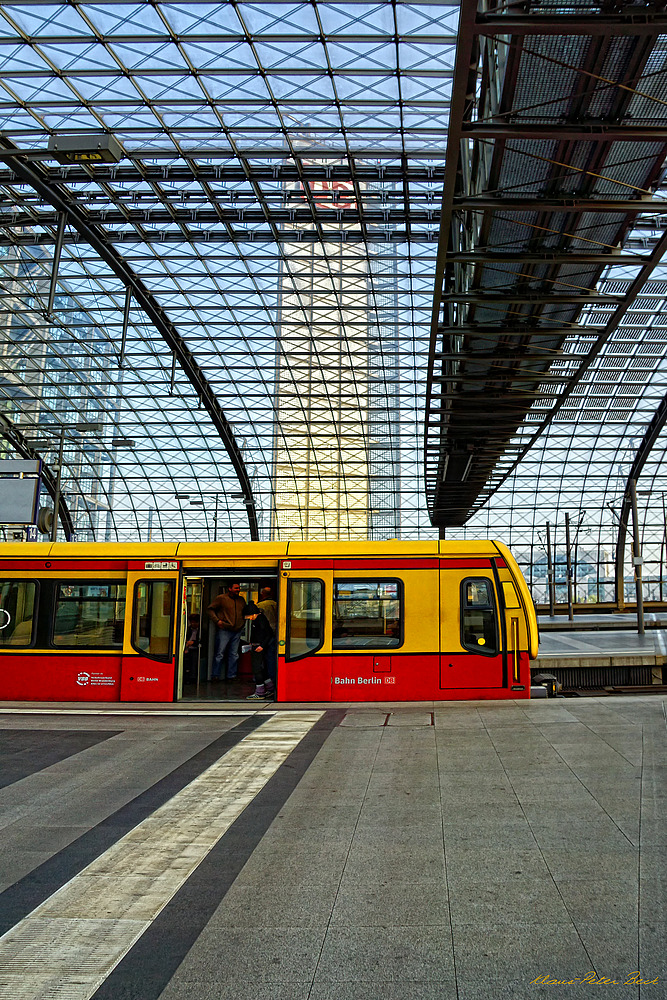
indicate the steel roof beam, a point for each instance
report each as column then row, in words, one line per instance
column 224, row 155
column 33, row 175
column 528, row 331
column 558, row 132
column 491, row 375
column 232, row 37
column 471, row 357
column 552, row 298
column 237, row 237
column 548, row 23
column 503, row 203
column 175, row 215
column 171, row 173
column 563, row 258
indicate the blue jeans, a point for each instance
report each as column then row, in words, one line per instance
column 229, row 641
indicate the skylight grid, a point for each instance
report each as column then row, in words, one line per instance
column 250, row 132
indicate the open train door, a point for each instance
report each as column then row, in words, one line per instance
column 304, row 632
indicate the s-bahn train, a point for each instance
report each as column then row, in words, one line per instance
column 356, row 621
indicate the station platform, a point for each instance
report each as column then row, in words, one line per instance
column 626, row 621
column 417, row 852
column 590, row 658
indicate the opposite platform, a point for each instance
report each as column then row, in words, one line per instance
column 462, row 850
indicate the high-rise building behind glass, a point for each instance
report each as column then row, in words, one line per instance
column 53, row 370
column 335, row 467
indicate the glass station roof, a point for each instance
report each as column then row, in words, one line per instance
column 278, row 194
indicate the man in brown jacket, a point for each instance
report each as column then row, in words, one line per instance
column 227, row 613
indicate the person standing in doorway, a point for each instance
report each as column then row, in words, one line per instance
column 227, row 614
column 268, row 606
column 260, row 634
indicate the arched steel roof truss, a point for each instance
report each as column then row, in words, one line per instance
column 556, row 144
column 57, row 196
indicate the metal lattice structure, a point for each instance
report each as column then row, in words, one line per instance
column 270, row 153
column 548, row 341
column 247, row 293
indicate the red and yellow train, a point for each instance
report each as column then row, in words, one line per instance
column 357, row 622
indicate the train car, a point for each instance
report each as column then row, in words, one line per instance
column 356, row 622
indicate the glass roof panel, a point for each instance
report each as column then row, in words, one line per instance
column 270, row 154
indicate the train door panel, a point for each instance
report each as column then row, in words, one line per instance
column 367, row 624
column 189, row 652
column 304, row 645
column 471, row 637
column 517, row 636
column 148, row 667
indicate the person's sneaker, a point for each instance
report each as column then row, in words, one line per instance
column 255, row 696
column 270, row 694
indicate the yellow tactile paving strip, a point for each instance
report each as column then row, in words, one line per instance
column 68, row 946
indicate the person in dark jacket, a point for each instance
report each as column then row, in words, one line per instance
column 261, row 633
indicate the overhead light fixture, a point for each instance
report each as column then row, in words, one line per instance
column 87, row 148
column 123, row 443
column 182, row 496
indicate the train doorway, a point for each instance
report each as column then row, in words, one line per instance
column 196, row 661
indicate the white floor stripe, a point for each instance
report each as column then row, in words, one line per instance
column 67, row 947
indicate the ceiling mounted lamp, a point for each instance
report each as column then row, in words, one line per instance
column 87, row 148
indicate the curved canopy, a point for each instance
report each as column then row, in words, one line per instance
column 546, row 367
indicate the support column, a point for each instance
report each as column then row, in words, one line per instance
column 57, row 250
column 126, row 320
column 59, row 476
column 568, row 556
column 637, row 556
column 551, row 583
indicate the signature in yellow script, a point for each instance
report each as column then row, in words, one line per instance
column 632, row 979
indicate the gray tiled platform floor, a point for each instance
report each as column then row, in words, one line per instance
column 458, row 860
column 51, row 808
column 461, row 860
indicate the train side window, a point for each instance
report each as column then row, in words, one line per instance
column 479, row 626
column 152, row 621
column 305, row 617
column 18, row 599
column 367, row 614
column 89, row 614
